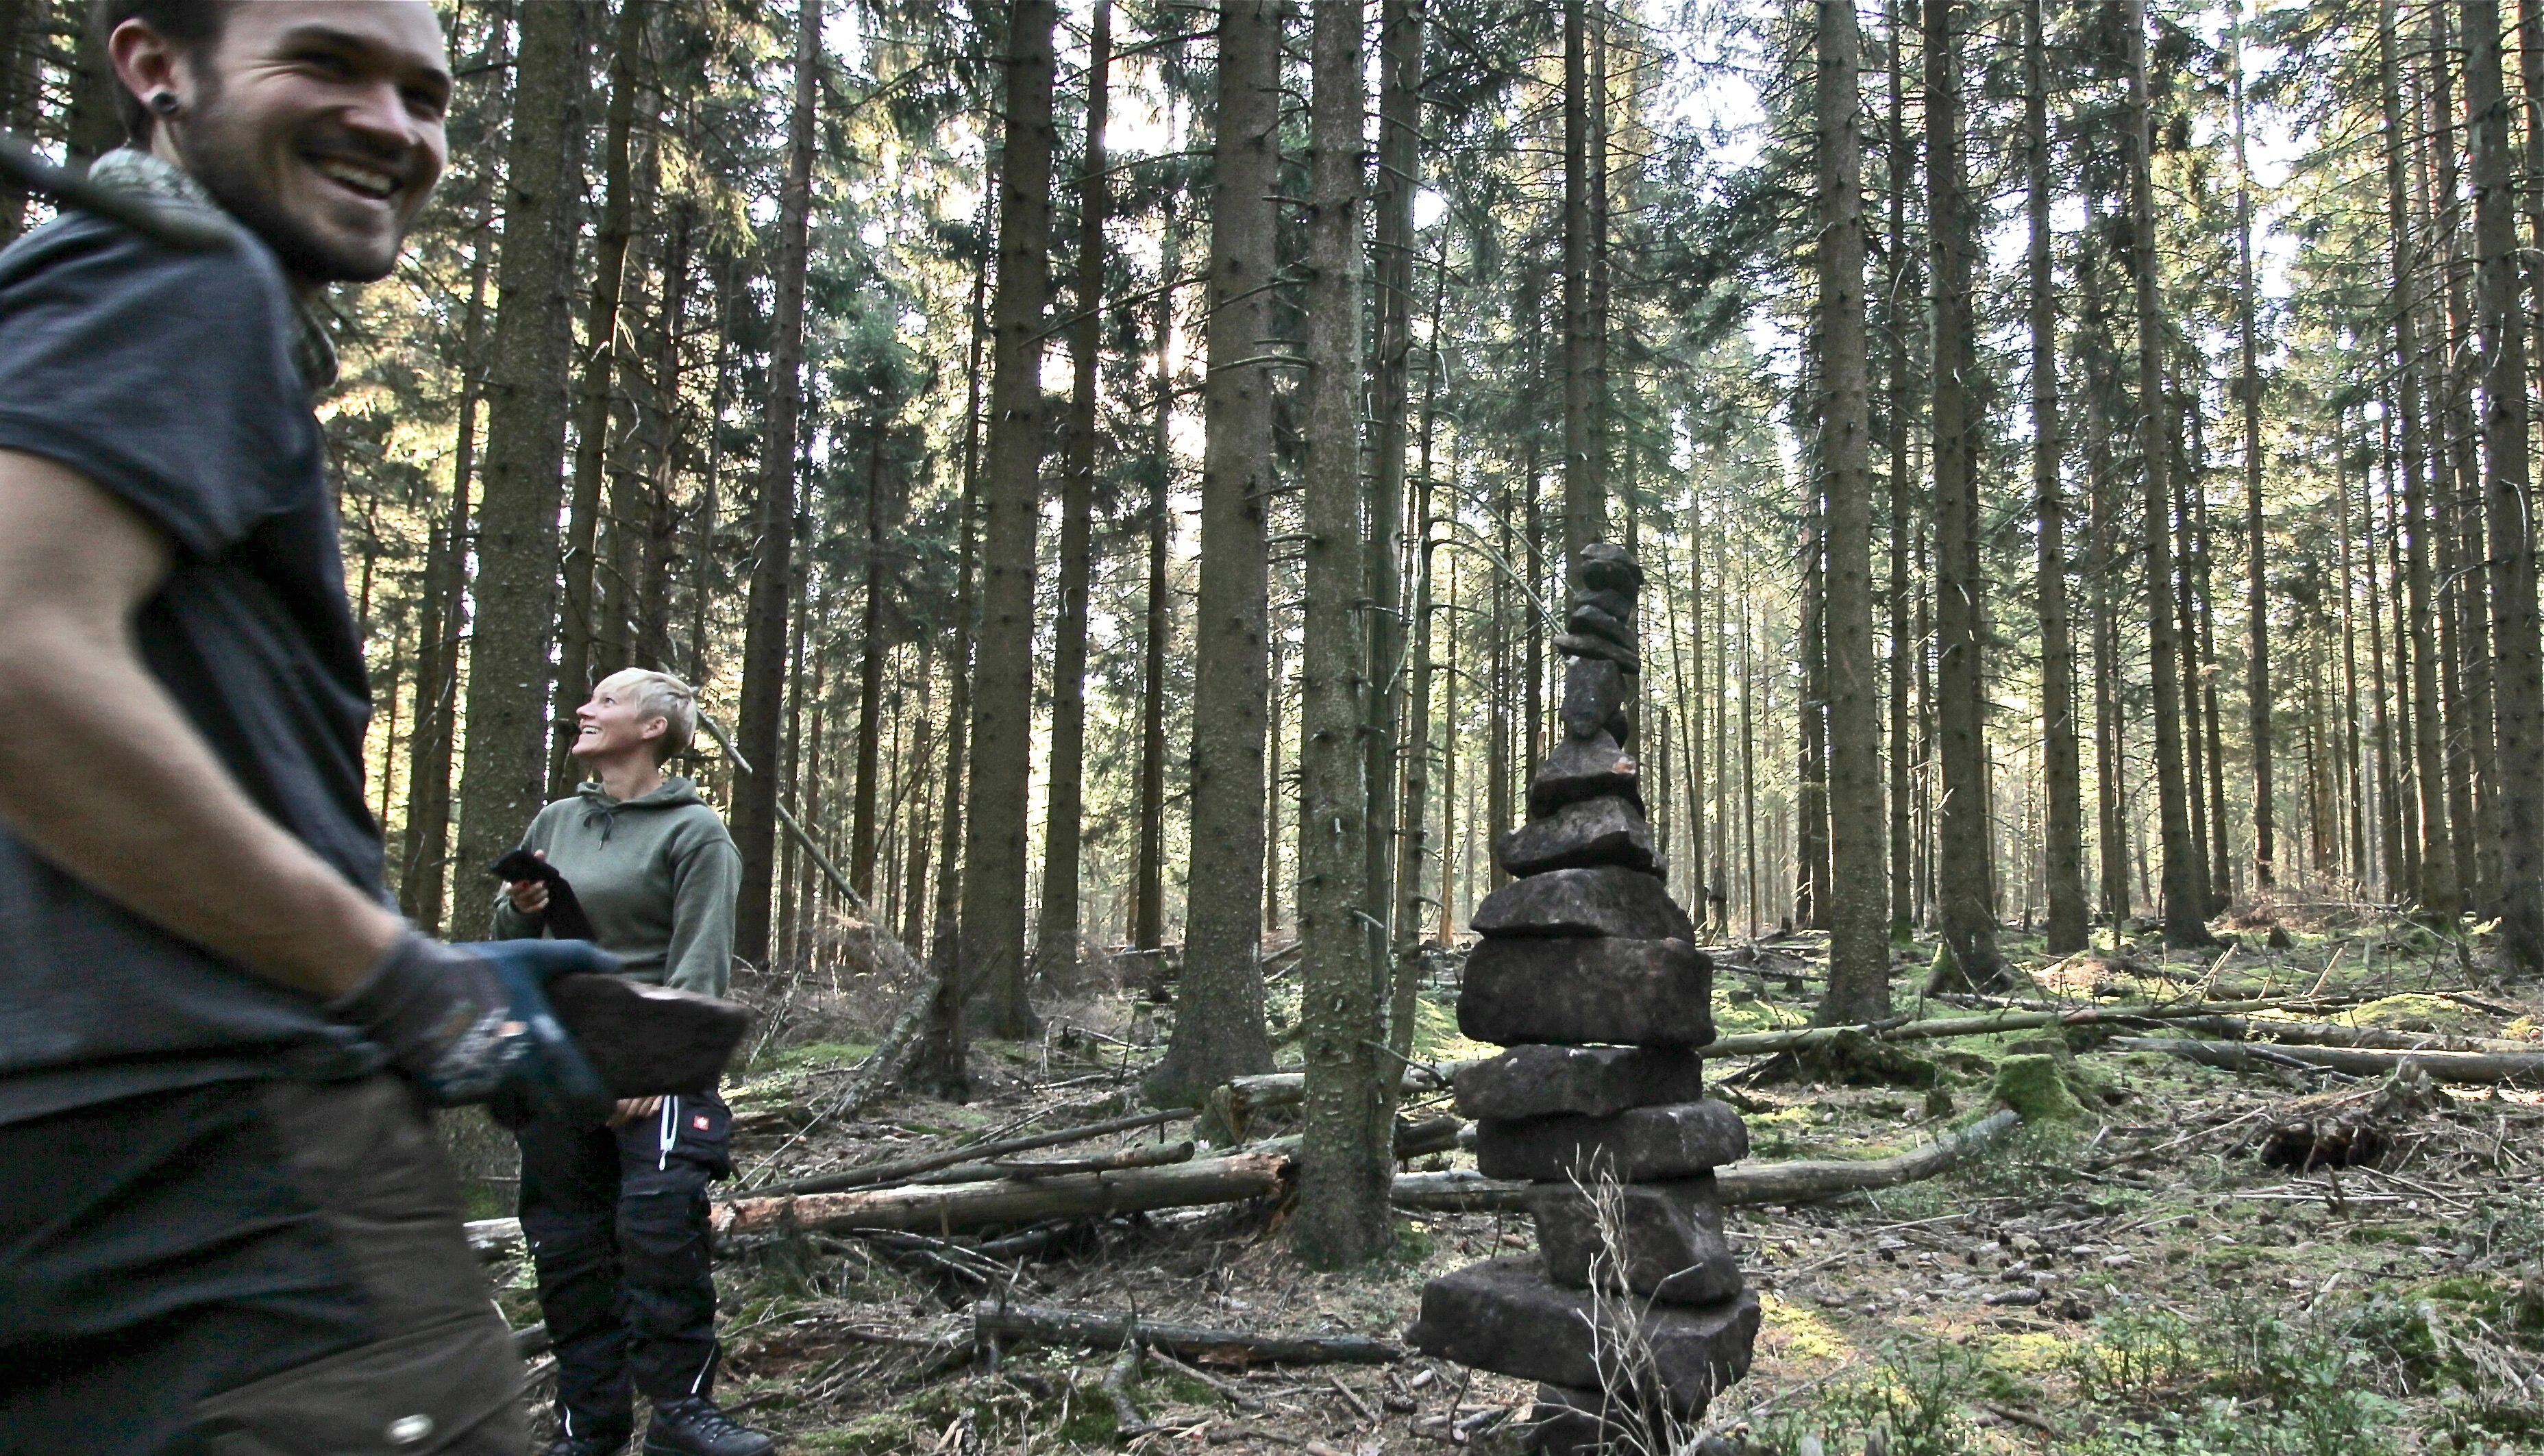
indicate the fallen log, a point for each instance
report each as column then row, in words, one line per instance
column 1245, row 1095
column 1413, row 1138
column 1019, row 1321
column 2236, row 1055
column 1154, row 1155
column 905, row 1168
column 1736, row 1185
column 2315, row 1033
column 939, row 1209
column 1137, row 1186
column 1756, row 1043
column 493, row 1238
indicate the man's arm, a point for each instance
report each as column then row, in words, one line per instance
column 102, row 774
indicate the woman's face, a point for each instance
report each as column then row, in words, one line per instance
column 613, row 727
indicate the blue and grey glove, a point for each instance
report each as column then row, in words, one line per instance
column 471, row 1024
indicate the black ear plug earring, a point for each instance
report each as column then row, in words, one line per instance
column 165, row 103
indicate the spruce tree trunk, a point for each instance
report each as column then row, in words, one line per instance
column 2388, row 787
column 772, row 577
column 653, row 592
column 424, row 887
column 504, row 771
column 579, row 626
column 22, row 55
column 863, row 821
column 1055, row 937
column 941, row 1065
column 1382, row 508
column 1859, row 987
column 2064, row 835
column 1396, row 776
column 1964, row 879
column 2518, row 665
column 1585, row 504
column 2464, row 629
column 993, row 857
column 2110, row 843
column 2180, row 412
column 2256, row 601
column 1900, row 316
column 2437, row 891
column 1810, row 778
column 1148, row 911
column 1347, row 1147
column 1219, row 1030
column 2184, row 914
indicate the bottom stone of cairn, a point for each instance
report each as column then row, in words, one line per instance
column 1567, row 1422
column 1505, row 1315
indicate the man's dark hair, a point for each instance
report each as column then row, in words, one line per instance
column 191, row 25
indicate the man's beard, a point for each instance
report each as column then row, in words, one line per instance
column 224, row 170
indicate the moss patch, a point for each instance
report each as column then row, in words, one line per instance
column 2035, row 1086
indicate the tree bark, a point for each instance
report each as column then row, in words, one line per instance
column 1585, row 504
column 2248, row 389
column 1388, row 777
column 1401, row 31
column 578, row 627
column 1342, row 1214
column 1148, row 914
column 862, row 819
column 2110, row 841
column 1056, row 939
column 424, row 885
column 763, row 653
column 1964, row 877
column 504, row 771
column 2063, row 779
column 2518, row 665
column 993, row 859
column 1900, row 314
column 1219, row 1030
column 2438, row 895
column 21, row 57
column 1811, row 716
column 2184, row 916
column 1859, row 988
column 942, row 1064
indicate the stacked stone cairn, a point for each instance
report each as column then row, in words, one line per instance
column 1588, row 972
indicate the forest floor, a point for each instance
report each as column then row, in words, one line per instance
column 2137, row 1281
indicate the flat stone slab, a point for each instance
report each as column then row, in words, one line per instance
column 1504, row 1315
column 1619, row 604
column 1603, row 566
column 1633, row 993
column 1582, row 644
column 1594, row 698
column 1669, row 1235
column 1583, row 1081
column 1641, row 1146
column 1607, row 829
column 1605, row 900
column 1591, row 621
column 1584, row 769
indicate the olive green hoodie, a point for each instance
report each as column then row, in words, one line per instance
column 657, row 874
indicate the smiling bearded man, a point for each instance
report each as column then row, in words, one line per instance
column 225, row 1226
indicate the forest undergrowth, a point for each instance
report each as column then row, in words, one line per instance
column 2136, row 1281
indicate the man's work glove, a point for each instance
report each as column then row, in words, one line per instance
column 471, row 1024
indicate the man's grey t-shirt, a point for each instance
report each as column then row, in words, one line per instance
column 168, row 379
